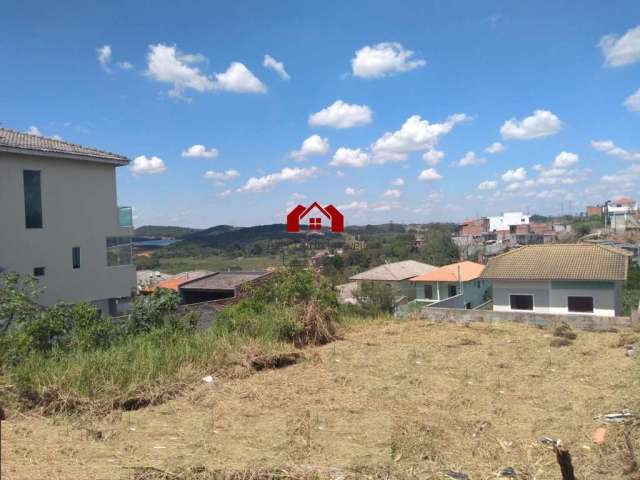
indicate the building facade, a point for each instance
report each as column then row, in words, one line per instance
column 452, row 286
column 507, row 220
column 61, row 222
column 564, row 279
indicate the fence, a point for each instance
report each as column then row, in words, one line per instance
column 583, row 322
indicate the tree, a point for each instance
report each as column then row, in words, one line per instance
column 17, row 299
column 438, row 249
column 375, row 297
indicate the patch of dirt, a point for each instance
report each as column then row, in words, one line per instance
column 392, row 401
column 272, row 361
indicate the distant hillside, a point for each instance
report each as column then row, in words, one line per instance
column 163, row 231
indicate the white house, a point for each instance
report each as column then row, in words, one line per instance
column 61, row 222
column 559, row 279
column 507, row 220
column 621, row 214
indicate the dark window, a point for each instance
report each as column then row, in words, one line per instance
column 315, row 224
column 453, row 290
column 521, row 302
column 580, row 304
column 32, row 199
column 38, row 272
column 428, row 291
column 75, row 254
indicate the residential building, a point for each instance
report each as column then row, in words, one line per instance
column 594, row 211
column 474, row 227
column 168, row 282
column 61, row 222
column 459, row 284
column 397, row 275
column 507, row 221
column 622, row 214
column 220, row 286
column 559, row 279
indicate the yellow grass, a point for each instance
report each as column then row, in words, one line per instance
column 396, row 400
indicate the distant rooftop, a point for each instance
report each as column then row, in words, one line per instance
column 456, row 272
column 223, row 280
column 20, row 142
column 581, row 261
column 394, row 271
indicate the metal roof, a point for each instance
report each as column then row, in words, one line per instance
column 25, row 143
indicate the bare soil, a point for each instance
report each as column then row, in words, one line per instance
column 396, row 400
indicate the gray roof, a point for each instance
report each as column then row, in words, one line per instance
column 583, row 261
column 20, row 142
column 223, row 280
column 395, row 271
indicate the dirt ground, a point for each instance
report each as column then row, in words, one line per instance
column 411, row 398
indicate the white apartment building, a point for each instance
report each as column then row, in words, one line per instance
column 60, row 221
column 507, row 220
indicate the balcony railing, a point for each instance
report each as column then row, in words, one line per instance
column 125, row 216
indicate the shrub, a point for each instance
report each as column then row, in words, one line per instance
column 153, row 311
column 375, row 297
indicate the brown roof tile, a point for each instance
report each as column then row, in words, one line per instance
column 11, row 139
column 559, row 262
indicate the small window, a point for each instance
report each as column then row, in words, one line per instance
column 75, row 254
column 521, row 302
column 38, row 272
column 32, row 198
column 315, row 223
column 453, row 290
column 580, row 304
column 428, row 291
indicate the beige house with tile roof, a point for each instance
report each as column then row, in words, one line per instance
column 61, row 222
column 560, row 279
column 397, row 275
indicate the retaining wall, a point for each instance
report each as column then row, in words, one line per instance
column 583, row 322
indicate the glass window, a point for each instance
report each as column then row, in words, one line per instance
column 580, row 304
column 38, row 272
column 453, row 290
column 32, row 198
column 119, row 251
column 428, row 291
column 521, row 302
column 75, row 254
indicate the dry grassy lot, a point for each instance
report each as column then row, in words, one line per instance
column 390, row 400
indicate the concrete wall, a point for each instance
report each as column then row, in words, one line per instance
column 79, row 209
column 551, row 297
column 584, row 322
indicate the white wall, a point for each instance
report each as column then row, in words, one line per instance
column 79, row 209
column 506, row 220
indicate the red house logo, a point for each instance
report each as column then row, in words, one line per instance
column 330, row 212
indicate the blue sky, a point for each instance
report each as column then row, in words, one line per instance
column 415, row 91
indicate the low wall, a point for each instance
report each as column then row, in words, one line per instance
column 583, row 322
column 457, row 301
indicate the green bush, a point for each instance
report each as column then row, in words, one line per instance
column 154, row 311
column 375, row 297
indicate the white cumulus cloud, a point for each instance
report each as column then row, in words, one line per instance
column 200, row 151
column 516, row 175
column 144, row 165
column 315, row 145
column 495, row 147
column 384, row 59
column 342, row 115
column 487, row 185
column 350, row 157
column 432, row 156
column 392, row 193
column 221, row 177
column 429, row 175
column 398, row 182
column 239, row 79
column 624, row 50
column 565, row 159
column 541, row 124
column 287, row 174
column 33, row 130
column 414, row 135
column 470, row 159
column 352, row 192
column 104, row 57
column 355, row 205
column 166, row 64
column 610, row 148
column 633, row 101
column 224, row 193
column 276, row 66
